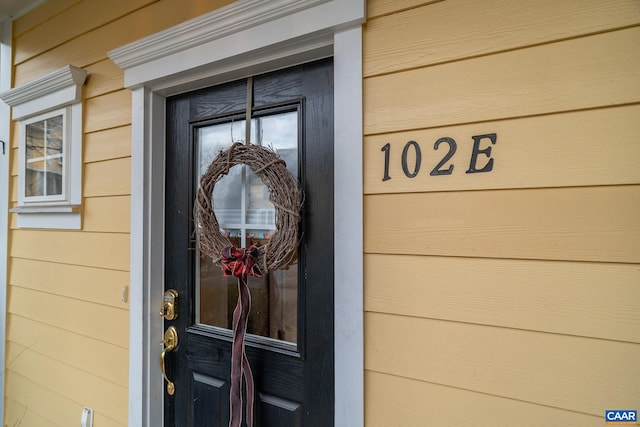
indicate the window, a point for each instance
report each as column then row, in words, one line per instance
column 44, row 158
column 247, row 216
column 49, row 111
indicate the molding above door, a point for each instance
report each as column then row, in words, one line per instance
column 226, row 21
column 155, row 68
column 247, row 32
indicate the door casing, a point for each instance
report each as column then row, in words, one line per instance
column 334, row 29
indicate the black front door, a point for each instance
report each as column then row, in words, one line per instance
column 290, row 341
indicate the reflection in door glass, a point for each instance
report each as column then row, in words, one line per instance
column 246, row 216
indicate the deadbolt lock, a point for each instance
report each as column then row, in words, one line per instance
column 169, row 309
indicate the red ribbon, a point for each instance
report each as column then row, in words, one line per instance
column 241, row 263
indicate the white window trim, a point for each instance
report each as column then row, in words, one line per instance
column 61, row 89
column 241, row 39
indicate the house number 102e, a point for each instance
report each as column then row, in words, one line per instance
column 411, row 171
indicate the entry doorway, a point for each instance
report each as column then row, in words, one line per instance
column 291, row 341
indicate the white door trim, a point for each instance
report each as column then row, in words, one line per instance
column 154, row 69
column 5, row 155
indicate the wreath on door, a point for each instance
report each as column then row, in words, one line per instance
column 256, row 260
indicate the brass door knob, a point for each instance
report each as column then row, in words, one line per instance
column 169, row 343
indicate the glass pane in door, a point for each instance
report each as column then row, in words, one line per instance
column 246, row 216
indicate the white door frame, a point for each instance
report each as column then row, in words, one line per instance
column 5, row 173
column 241, row 39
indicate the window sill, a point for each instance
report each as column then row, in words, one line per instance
column 49, row 217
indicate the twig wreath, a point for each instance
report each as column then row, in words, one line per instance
column 284, row 193
column 278, row 252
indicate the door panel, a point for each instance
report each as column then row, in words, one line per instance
column 294, row 376
column 282, row 412
column 210, row 397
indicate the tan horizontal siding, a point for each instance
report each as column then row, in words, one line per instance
column 78, row 386
column 18, row 414
column 582, row 73
column 456, row 29
column 586, row 299
column 392, row 401
column 108, row 111
column 13, row 182
column 595, row 147
column 103, row 77
column 107, row 214
column 78, row 19
column 108, row 178
column 15, row 126
column 103, row 250
column 87, row 354
column 578, row 224
column 93, row 46
column 14, row 161
column 95, row 285
column 574, row 373
column 383, row 7
column 108, row 144
column 507, row 297
column 104, row 419
column 58, row 410
column 42, row 401
column 101, row 322
column 117, row 184
column 41, row 13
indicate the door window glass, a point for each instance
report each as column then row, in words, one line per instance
column 246, row 216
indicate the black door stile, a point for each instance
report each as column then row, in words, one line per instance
column 294, row 383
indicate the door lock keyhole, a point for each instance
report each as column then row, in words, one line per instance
column 169, row 309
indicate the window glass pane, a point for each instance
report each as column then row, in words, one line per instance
column 227, row 197
column 227, row 192
column 280, row 132
column 54, row 176
column 54, row 136
column 34, row 142
column 245, row 214
column 34, row 179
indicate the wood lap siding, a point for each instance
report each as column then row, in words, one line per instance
column 67, row 327
column 452, row 30
column 544, row 155
column 598, row 224
column 404, row 402
column 533, row 81
column 524, row 294
column 89, row 48
column 508, row 297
